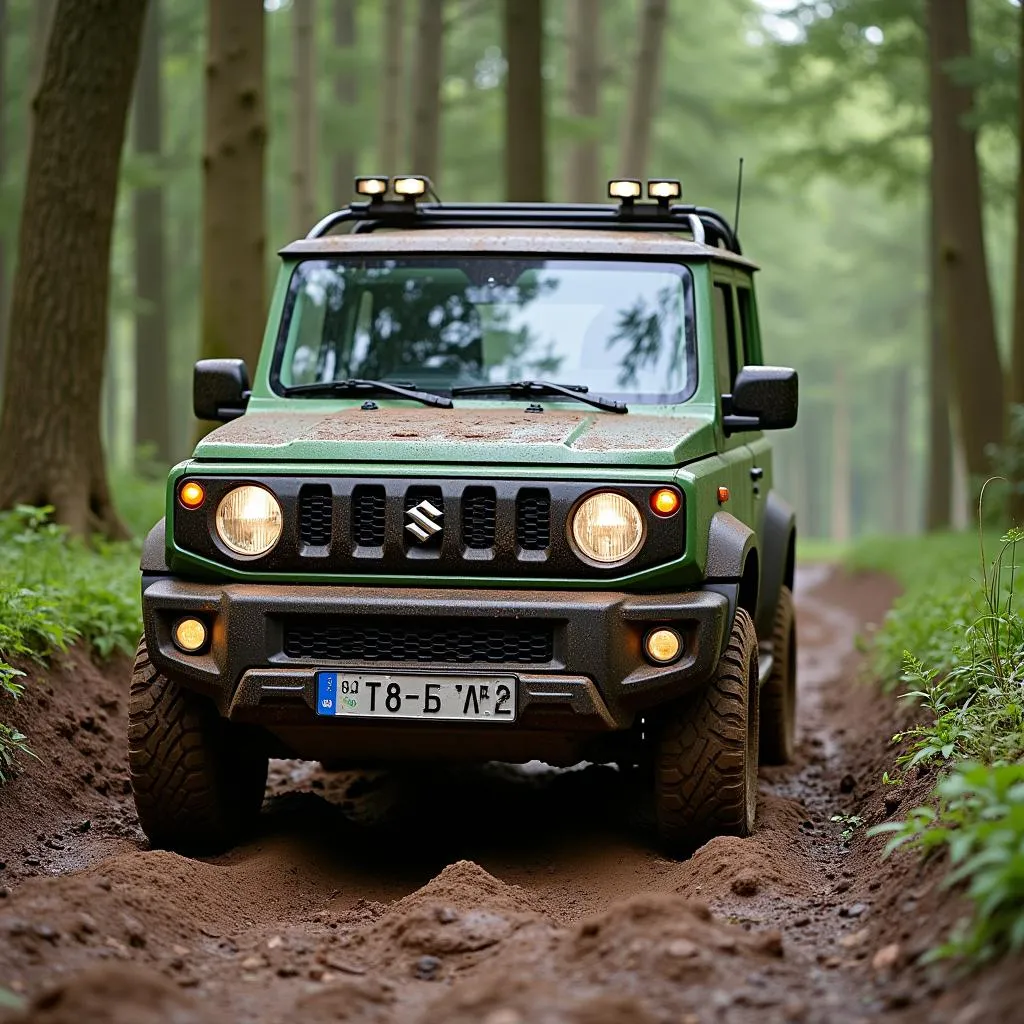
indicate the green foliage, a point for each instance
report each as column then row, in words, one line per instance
column 55, row 591
column 980, row 824
column 9, row 1001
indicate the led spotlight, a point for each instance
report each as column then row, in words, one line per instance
column 410, row 185
column 664, row 189
column 374, row 187
column 627, row 189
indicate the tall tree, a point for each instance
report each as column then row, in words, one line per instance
column 636, row 127
column 939, row 486
column 426, row 84
column 51, row 452
column 583, row 181
column 964, row 284
column 152, row 384
column 346, row 95
column 3, row 178
column 235, row 139
column 525, row 123
column 389, row 143
column 1016, row 388
column 304, row 143
column 842, row 452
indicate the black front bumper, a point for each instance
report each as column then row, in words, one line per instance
column 596, row 678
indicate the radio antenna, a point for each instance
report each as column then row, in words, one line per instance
column 739, row 198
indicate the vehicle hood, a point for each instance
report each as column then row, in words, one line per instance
column 509, row 436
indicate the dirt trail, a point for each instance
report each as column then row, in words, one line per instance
column 495, row 896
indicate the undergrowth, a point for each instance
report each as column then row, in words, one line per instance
column 56, row 591
column 955, row 641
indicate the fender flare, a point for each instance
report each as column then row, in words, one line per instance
column 779, row 559
column 154, row 550
column 733, row 566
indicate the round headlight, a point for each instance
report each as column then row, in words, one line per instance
column 249, row 520
column 607, row 527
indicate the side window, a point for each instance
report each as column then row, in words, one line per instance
column 725, row 337
column 749, row 327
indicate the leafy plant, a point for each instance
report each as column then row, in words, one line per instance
column 850, row 822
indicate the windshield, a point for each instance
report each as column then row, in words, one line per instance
column 621, row 329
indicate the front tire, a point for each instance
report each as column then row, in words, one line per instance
column 198, row 780
column 778, row 695
column 707, row 749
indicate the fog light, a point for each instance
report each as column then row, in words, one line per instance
column 190, row 635
column 663, row 645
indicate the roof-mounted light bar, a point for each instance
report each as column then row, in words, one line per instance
column 411, row 185
column 626, row 189
column 664, row 190
column 375, row 186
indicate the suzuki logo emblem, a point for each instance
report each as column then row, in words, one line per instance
column 424, row 521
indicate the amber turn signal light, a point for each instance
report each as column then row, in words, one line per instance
column 665, row 502
column 723, row 495
column 663, row 646
column 190, row 635
column 192, row 495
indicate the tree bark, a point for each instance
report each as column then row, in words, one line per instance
column 1016, row 396
column 899, row 453
column 525, row 127
column 304, row 143
column 41, row 23
column 841, row 457
column 636, row 127
column 583, row 180
column 939, row 488
column 235, row 137
column 3, row 178
column 51, row 451
column 152, row 383
column 964, row 285
column 346, row 92
column 389, row 147
column 426, row 100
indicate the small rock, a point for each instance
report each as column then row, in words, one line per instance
column 274, row 942
column 847, row 784
column 447, row 915
column 887, row 957
column 841, row 887
column 746, row 884
column 32, row 862
column 855, row 939
column 253, row 963
column 44, row 931
column 427, row 967
column 682, row 948
column 180, row 950
column 857, row 910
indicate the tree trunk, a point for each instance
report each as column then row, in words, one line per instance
column 964, row 285
column 583, row 181
column 235, row 138
column 1017, row 344
column 3, row 179
column 346, row 92
column 426, row 100
column 304, row 143
column 939, row 488
column 51, row 451
column 152, row 383
column 41, row 23
column 389, row 145
column 525, row 129
column 841, row 457
column 899, row 454
column 636, row 128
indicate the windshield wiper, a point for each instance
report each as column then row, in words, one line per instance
column 543, row 387
column 404, row 390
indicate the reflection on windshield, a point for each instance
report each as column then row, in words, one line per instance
column 621, row 329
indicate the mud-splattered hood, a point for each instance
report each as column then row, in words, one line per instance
column 509, row 436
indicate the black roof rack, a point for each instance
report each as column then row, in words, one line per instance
column 704, row 224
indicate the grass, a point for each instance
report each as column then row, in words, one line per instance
column 56, row 591
column 954, row 643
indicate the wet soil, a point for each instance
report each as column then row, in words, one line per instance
column 494, row 896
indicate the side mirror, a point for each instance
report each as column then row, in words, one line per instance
column 763, row 398
column 220, row 389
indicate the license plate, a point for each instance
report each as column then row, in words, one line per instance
column 391, row 695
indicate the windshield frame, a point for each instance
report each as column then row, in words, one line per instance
column 559, row 261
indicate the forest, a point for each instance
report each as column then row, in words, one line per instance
column 880, row 199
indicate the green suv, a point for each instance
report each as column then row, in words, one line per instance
column 500, row 489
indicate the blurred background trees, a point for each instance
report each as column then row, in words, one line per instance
column 883, row 194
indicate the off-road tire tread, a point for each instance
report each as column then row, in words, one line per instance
column 198, row 780
column 703, row 775
column 778, row 697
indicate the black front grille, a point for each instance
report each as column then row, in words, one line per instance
column 315, row 511
column 479, row 510
column 533, row 519
column 385, row 638
column 368, row 505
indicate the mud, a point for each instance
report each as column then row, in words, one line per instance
column 494, row 896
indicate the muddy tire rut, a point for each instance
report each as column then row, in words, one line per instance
column 494, row 896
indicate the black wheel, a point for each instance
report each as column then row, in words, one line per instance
column 706, row 752
column 778, row 695
column 198, row 780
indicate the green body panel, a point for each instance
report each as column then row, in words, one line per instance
column 682, row 445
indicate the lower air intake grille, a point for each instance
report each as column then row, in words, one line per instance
column 368, row 503
column 479, row 507
column 315, row 515
column 438, row 640
column 533, row 519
